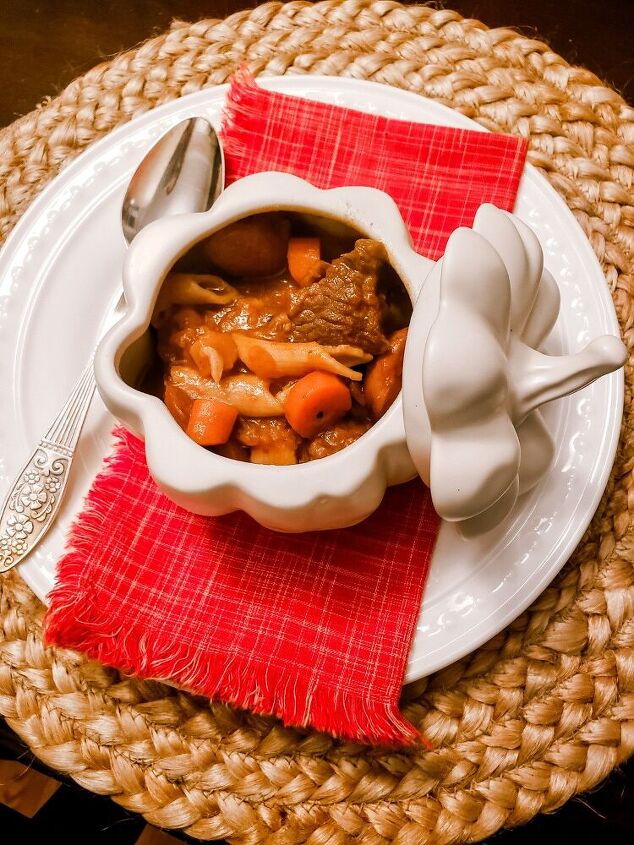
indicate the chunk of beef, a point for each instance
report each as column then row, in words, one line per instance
column 256, row 309
column 334, row 439
column 271, row 440
column 344, row 306
column 232, row 449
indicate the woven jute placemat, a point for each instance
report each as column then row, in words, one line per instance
column 543, row 711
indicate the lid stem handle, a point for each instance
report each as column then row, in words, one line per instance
column 537, row 378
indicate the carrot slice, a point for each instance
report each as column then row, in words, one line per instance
column 315, row 402
column 211, row 422
column 178, row 403
column 384, row 375
column 304, row 254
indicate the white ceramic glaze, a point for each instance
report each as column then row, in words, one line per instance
column 333, row 492
column 472, row 421
column 59, row 281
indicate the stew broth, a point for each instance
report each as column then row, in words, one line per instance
column 280, row 339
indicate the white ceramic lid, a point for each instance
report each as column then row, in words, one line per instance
column 473, row 375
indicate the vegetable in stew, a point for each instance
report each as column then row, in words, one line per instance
column 281, row 338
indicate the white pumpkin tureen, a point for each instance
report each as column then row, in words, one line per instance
column 467, row 418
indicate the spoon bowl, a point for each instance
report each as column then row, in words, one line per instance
column 182, row 173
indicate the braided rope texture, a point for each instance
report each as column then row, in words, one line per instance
column 542, row 711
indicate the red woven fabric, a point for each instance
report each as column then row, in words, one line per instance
column 314, row 628
column 438, row 176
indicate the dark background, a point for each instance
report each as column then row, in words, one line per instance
column 43, row 46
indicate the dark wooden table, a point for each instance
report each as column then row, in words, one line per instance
column 44, row 44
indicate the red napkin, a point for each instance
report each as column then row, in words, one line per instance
column 314, row 628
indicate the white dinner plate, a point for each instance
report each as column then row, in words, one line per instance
column 59, row 280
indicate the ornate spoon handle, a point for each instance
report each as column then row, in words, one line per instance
column 32, row 503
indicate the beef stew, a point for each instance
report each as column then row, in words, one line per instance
column 281, row 338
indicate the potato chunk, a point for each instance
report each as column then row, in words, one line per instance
column 255, row 246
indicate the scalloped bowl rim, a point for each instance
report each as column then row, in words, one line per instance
column 186, row 471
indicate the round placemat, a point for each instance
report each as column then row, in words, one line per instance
column 543, row 711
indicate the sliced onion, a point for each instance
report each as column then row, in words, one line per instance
column 249, row 394
column 192, row 289
column 275, row 359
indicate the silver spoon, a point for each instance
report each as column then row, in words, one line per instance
column 183, row 172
